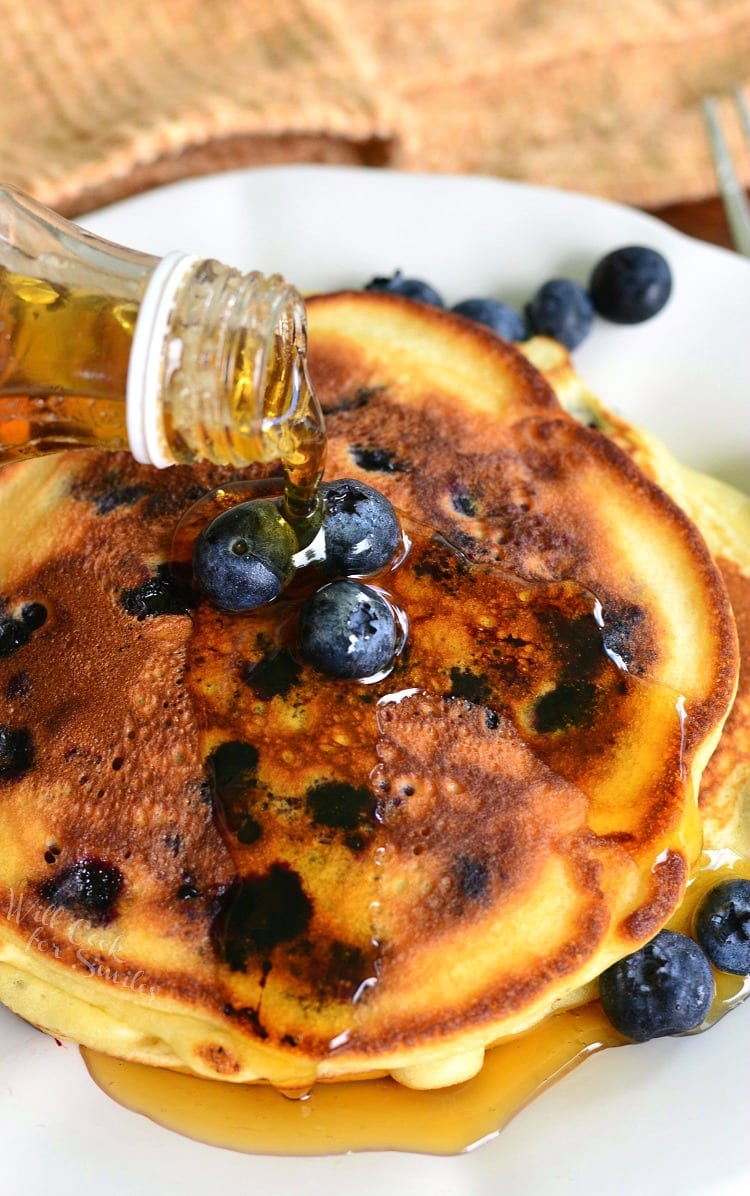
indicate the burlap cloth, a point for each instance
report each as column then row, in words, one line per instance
column 103, row 98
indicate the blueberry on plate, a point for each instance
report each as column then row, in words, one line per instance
column 410, row 288
column 722, row 926
column 561, row 309
column 630, row 285
column 243, row 558
column 360, row 528
column 664, row 988
column 500, row 317
column 347, row 629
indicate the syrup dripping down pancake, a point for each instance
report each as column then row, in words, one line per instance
column 723, row 516
column 217, row 859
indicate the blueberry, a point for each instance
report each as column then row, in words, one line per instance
column 33, row 615
column 360, row 528
column 157, row 595
column 88, row 887
column 257, row 913
column 561, row 309
column 347, row 629
column 630, row 284
column 722, row 926
column 410, row 288
column 378, row 460
column 14, row 633
column 122, row 496
column 244, row 557
column 664, row 988
column 16, row 752
column 500, row 317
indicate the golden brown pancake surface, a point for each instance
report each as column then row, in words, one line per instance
column 722, row 515
column 218, row 858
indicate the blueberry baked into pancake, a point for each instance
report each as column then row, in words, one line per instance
column 221, row 858
column 722, row 514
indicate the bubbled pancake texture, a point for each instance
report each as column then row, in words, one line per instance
column 723, row 516
column 275, row 874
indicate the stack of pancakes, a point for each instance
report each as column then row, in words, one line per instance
column 217, row 859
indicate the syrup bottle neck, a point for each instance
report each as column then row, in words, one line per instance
column 217, row 367
column 181, row 359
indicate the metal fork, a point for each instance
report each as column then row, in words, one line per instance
column 733, row 193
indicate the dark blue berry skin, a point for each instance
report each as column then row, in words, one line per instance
column 33, row 615
column 722, row 926
column 410, row 288
column 244, row 557
column 360, row 528
column 664, row 988
column 630, row 285
column 15, row 632
column 89, row 887
column 156, row 596
column 561, row 309
column 16, row 752
column 500, row 317
column 347, row 629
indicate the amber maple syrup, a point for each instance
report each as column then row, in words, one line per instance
column 234, row 383
column 65, row 352
column 364, row 1114
column 59, row 346
column 381, row 1114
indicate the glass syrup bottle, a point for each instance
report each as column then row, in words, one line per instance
column 177, row 360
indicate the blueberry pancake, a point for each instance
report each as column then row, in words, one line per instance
column 219, row 858
column 723, row 516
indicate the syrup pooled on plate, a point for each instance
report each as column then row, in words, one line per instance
column 362, row 1114
column 381, row 1114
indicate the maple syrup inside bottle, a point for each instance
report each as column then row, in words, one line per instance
column 199, row 361
column 233, row 390
column 63, row 365
column 235, row 387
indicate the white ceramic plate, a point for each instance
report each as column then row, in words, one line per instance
column 670, row 1116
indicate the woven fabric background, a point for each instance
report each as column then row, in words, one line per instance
column 101, row 100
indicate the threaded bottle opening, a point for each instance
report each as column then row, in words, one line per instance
column 218, row 369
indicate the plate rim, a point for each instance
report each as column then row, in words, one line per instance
column 452, row 1175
